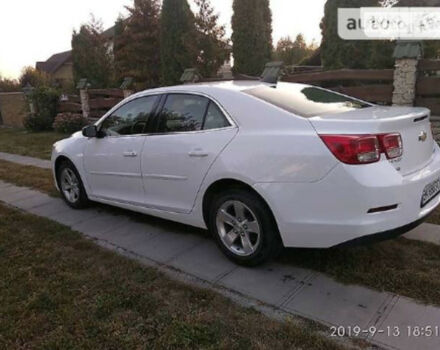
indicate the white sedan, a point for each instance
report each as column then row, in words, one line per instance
column 261, row 166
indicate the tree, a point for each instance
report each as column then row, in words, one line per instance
column 293, row 52
column 34, row 77
column 137, row 42
column 9, row 85
column 431, row 47
column 91, row 55
column 337, row 53
column 212, row 46
column 178, row 46
column 252, row 35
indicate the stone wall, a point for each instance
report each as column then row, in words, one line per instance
column 405, row 78
column 435, row 121
column 13, row 108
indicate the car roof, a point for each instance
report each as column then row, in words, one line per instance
column 209, row 87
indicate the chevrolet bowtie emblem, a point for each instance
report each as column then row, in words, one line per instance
column 423, row 136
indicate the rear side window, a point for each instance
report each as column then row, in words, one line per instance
column 306, row 101
column 183, row 113
column 215, row 119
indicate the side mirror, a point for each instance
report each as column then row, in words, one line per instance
column 90, row 131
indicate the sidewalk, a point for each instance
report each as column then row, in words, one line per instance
column 286, row 288
column 23, row 160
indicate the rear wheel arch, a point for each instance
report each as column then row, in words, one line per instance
column 226, row 184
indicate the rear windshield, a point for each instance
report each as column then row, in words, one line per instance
column 306, row 101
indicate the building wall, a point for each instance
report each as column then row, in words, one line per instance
column 64, row 74
column 13, row 108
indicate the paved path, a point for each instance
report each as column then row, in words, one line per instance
column 23, row 160
column 286, row 288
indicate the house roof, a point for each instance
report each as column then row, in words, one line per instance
column 54, row 62
column 57, row 60
column 109, row 33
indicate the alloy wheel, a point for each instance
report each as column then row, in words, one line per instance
column 70, row 185
column 238, row 228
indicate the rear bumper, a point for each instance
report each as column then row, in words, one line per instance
column 335, row 210
column 383, row 236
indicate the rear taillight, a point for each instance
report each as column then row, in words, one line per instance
column 391, row 145
column 363, row 149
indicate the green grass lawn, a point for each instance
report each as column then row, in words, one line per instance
column 25, row 143
column 401, row 266
column 28, row 176
column 61, row 291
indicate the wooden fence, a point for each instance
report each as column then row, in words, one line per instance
column 98, row 101
column 428, row 85
column 374, row 85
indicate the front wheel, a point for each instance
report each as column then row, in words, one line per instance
column 244, row 227
column 71, row 186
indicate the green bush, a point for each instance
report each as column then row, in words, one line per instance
column 45, row 101
column 69, row 123
column 34, row 122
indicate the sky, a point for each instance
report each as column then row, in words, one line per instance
column 33, row 30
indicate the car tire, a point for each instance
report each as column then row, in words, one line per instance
column 71, row 186
column 244, row 228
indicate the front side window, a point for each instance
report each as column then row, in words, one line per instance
column 131, row 118
column 183, row 113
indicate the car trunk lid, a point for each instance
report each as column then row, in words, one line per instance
column 413, row 124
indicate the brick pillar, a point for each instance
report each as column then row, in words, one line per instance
column 84, row 96
column 405, row 80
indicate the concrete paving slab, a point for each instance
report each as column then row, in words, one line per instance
column 56, row 205
column 406, row 313
column 24, row 160
column 271, row 284
column 5, row 191
column 35, row 201
column 165, row 246
column 14, row 197
column 204, row 261
column 98, row 224
column 330, row 302
column 427, row 233
column 130, row 234
column 72, row 217
column 4, row 184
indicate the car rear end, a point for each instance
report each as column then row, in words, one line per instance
column 386, row 181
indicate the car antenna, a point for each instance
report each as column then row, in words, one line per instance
column 272, row 72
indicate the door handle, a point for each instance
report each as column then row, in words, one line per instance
column 198, row 153
column 130, row 154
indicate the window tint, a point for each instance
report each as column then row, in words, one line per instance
column 306, row 101
column 183, row 113
column 215, row 118
column 131, row 118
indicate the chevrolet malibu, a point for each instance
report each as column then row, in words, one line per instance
column 261, row 166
